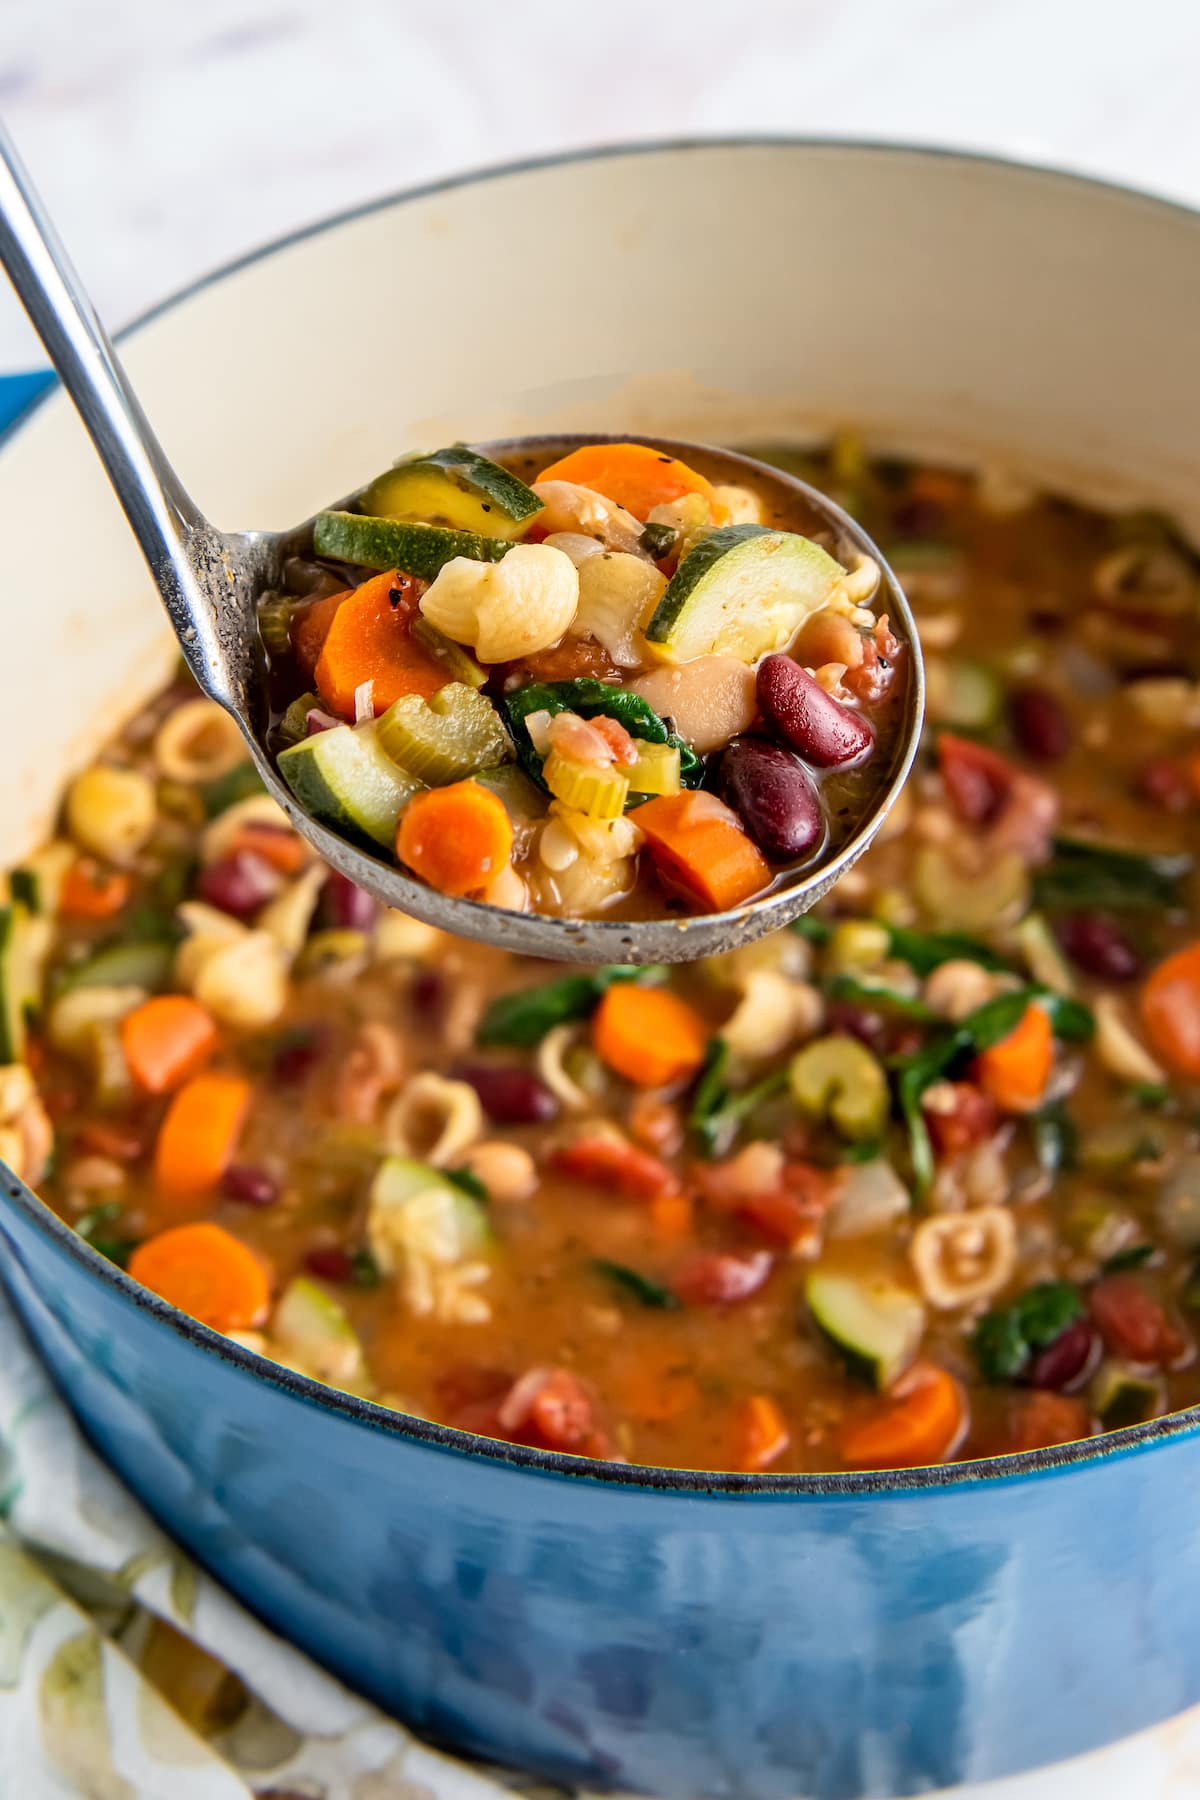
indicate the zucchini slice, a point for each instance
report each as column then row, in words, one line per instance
column 21, row 959
column 457, row 487
column 421, row 550
column 311, row 1330
column 414, row 1208
column 1123, row 1396
column 146, row 964
column 344, row 778
column 744, row 590
column 875, row 1325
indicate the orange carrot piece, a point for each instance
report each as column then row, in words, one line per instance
column 284, row 850
column 634, row 475
column 90, row 892
column 922, row 1420
column 166, row 1040
column 198, row 1136
column 763, row 1433
column 1171, row 1010
column 207, row 1272
column 370, row 639
column 648, row 1035
column 700, row 850
column 457, row 838
column 673, row 1215
column 1015, row 1071
column 310, row 629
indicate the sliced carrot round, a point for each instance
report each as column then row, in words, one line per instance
column 921, row 1421
column 648, row 1035
column 166, row 1040
column 198, row 1136
column 456, row 838
column 370, row 639
column 700, row 850
column 636, row 476
column 207, row 1272
column 1171, row 1010
column 1015, row 1071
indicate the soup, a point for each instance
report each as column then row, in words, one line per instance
column 598, row 685
column 917, row 1179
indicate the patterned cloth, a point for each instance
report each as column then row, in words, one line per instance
column 127, row 1673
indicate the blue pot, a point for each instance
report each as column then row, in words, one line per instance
column 759, row 1637
column 681, row 1634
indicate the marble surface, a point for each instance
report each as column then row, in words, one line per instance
column 169, row 137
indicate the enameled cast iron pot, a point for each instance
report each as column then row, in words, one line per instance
column 690, row 1635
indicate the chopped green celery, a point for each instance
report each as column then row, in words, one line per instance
column 325, row 951
column 459, row 664
column 23, row 949
column 446, row 738
column 838, row 1078
column 656, row 770
column 971, row 696
column 293, row 727
column 597, row 790
column 311, row 1329
column 1042, row 956
column 275, row 622
column 856, row 945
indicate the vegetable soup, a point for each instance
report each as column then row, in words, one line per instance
column 916, row 1179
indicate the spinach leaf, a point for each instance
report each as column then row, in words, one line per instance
column 93, row 1225
column 641, row 1287
column 870, row 993
column 925, row 951
column 26, row 889
column 469, row 1182
column 950, row 1048
column 658, row 540
column 1084, row 874
column 1055, row 1138
column 524, row 1018
column 366, row 1273
column 817, row 931
column 240, row 783
column 590, row 698
column 1133, row 1258
column 717, row 1110
column 1004, row 1340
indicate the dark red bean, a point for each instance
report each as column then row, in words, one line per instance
column 823, row 730
column 249, row 1185
column 845, row 1018
column 919, row 517
column 239, row 884
column 329, row 1263
column 1166, row 785
column 717, row 1278
column 970, row 1118
column 775, row 797
column 510, row 1096
column 298, row 1055
column 1040, row 724
column 428, row 992
column 345, row 906
column 1098, row 947
column 1066, row 1360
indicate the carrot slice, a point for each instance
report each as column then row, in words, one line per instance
column 90, row 892
column 648, row 1035
column 370, row 639
column 763, row 1432
column 673, row 1215
column 457, row 838
column 284, row 850
column 1171, row 1010
column 700, row 849
column 166, row 1040
column 199, row 1134
column 1015, row 1071
column 310, row 629
column 207, row 1272
column 921, row 1421
column 634, row 475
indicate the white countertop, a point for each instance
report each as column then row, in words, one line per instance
column 169, row 137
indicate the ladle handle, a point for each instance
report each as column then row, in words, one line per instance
column 171, row 530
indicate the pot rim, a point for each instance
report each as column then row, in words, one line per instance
column 848, row 1486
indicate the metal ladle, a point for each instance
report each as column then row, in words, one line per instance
column 211, row 581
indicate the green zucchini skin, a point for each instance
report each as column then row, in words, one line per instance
column 744, row 590
column 414, row 548
column 875, row 1327
column 466, row 469
column 344, row 779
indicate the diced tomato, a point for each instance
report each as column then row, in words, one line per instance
column 603, row 1162
column 719, row 1278
column 105, row 1137
column 1042, row 1419
column 970, row 1120
column 561, row 1412
column 795, row 1211
column 565, row 661
column 978, row 781
column 1165, row 784
column 1133, row 1324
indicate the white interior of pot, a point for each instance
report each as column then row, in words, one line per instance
column 968, row 309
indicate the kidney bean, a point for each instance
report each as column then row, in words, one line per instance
column 846, row 1018
column 716, row 1278
column 329, row 1263
column 249, row 1185
column 346, row 906
column 774, row 796
column 919, row 517
column 963, row 1117
column 1098, row 947
column 1165, row 784
column 1066, row 1360
column 428, row 992
column 1040, row 724
column 298, row 1055
column 238, row 884
column 813, row 722
column 510, row 1096
column 1132, row 1324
